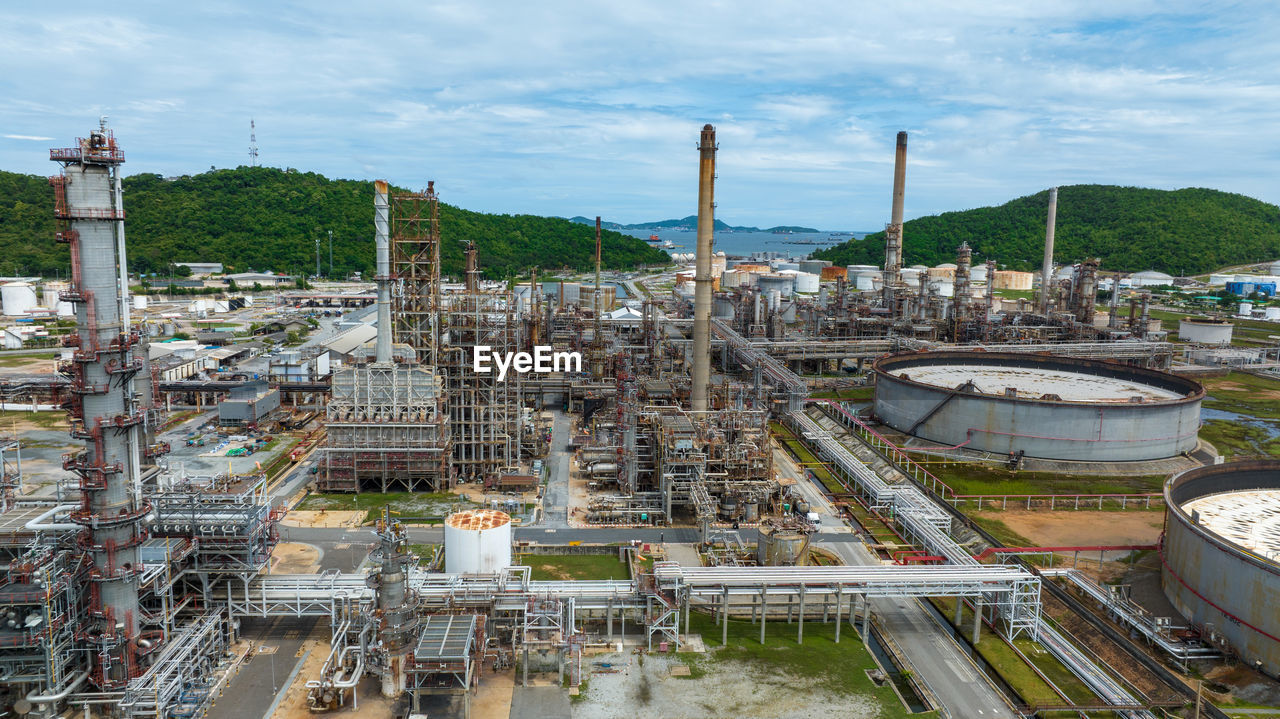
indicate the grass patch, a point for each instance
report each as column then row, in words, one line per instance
column 1237, row 439
column 857, row 394
column 973, row 478
column 23, row 360
column 839, row 668
column 559, row 567
column 1002, row 533
column 409, row 505
column 1244, row 394
column 55, row 419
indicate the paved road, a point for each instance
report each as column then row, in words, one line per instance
column 555, row 499
column 262, row 677
column 937, row 658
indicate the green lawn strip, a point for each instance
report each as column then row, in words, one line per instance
column 1002, row 533
column 407, row 504
column 802, row 454
column 45, row 420
column 855, row 394
column 973, row 478
column 839, row 668
column 1235, row 439
column 560, row 567
column 20, row 360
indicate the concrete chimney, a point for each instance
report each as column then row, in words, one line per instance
column 893, row 233
column 1046, row 272
column 702, row 270
column 382, row 242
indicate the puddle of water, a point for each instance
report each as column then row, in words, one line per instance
column 1272, row 428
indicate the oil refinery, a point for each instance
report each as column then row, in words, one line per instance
column 745, row 446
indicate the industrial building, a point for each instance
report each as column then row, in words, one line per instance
column 1221, row 556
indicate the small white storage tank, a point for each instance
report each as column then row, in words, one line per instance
column 1272, row 313
column 1246, row 309
column 1205, row 331
column 865, row 281
column 807, row 282
column 221, row 306
column 139, row 302
column 18, row 298
column 722, row 309
column 942, row 288
column 1275, row 268
column 197, row 306
column 978, row 273
column 477, row 541
column 49, row 295
column 911, row 276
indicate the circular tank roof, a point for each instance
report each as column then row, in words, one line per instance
column 478, row 519
column 1247, row 518
column 1039, row 377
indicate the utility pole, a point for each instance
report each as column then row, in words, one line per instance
column 317, row 258
column 330, row 254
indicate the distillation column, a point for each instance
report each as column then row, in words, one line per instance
column 702, row 279
column 397, row 605
column 104, row 411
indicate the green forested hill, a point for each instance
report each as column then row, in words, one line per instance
column 1129, row 228
column 268, row 219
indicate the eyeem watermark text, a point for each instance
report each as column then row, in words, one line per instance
column 484, row 360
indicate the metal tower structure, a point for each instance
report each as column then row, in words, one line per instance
column 415, row 260
column 253, row 144
column 105, row 410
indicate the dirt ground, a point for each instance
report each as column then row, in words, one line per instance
column 295, row 558
column 323, row 518
column 294, row 705
column 728, row 689
column 1080, row 528
column 492, row 699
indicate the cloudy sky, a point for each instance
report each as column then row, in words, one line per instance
column 565, row 108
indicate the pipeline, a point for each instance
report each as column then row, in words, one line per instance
column 39, row 524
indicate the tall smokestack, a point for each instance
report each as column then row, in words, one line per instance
column 596, row 303
column 472, row 278
column 893, row 233
column 382, row 242
column 702, row 269
column 1046, row 272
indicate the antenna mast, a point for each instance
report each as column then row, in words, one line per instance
column 253, row 145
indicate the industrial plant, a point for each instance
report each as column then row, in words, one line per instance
column 703, row 442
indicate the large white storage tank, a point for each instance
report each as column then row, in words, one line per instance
column 978, row 273
column 49, row 295
column 865, row 280
column 782, row 284
column 1205, row 331
column 806, row 282
column 477, row 541
column 18, row 298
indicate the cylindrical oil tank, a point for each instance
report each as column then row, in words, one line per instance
column 17, row 298
column 734, row 278
column 1204, row 330
column 1272, row 313
column 832, row 274
column 806, row 282
column 978, row 273
column 911, row 276
column 1046, row 406
column 569, row 293
column 477, row 541
column 865, row 280
column 787, row 266
column 1220, row 555
column 942, row 288
column 728, row 506
column 782, row 284
column 751, row 511
column 942, row 272
column 1246, row 309
column 789, row 312
column 780, row 547
column 801, row 506
column 49, row 295
column 814, row 267
column 139, row 302
column 722, row 308
column 1011, row 280
column 523, row 296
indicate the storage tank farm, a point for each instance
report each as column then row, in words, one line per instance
column 1220, row 556
column 1043, row 406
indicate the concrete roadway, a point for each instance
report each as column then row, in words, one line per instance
column 262, row 677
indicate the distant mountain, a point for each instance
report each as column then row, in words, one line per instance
column 687, row 223
column 1182, row 232
column 263, row 218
